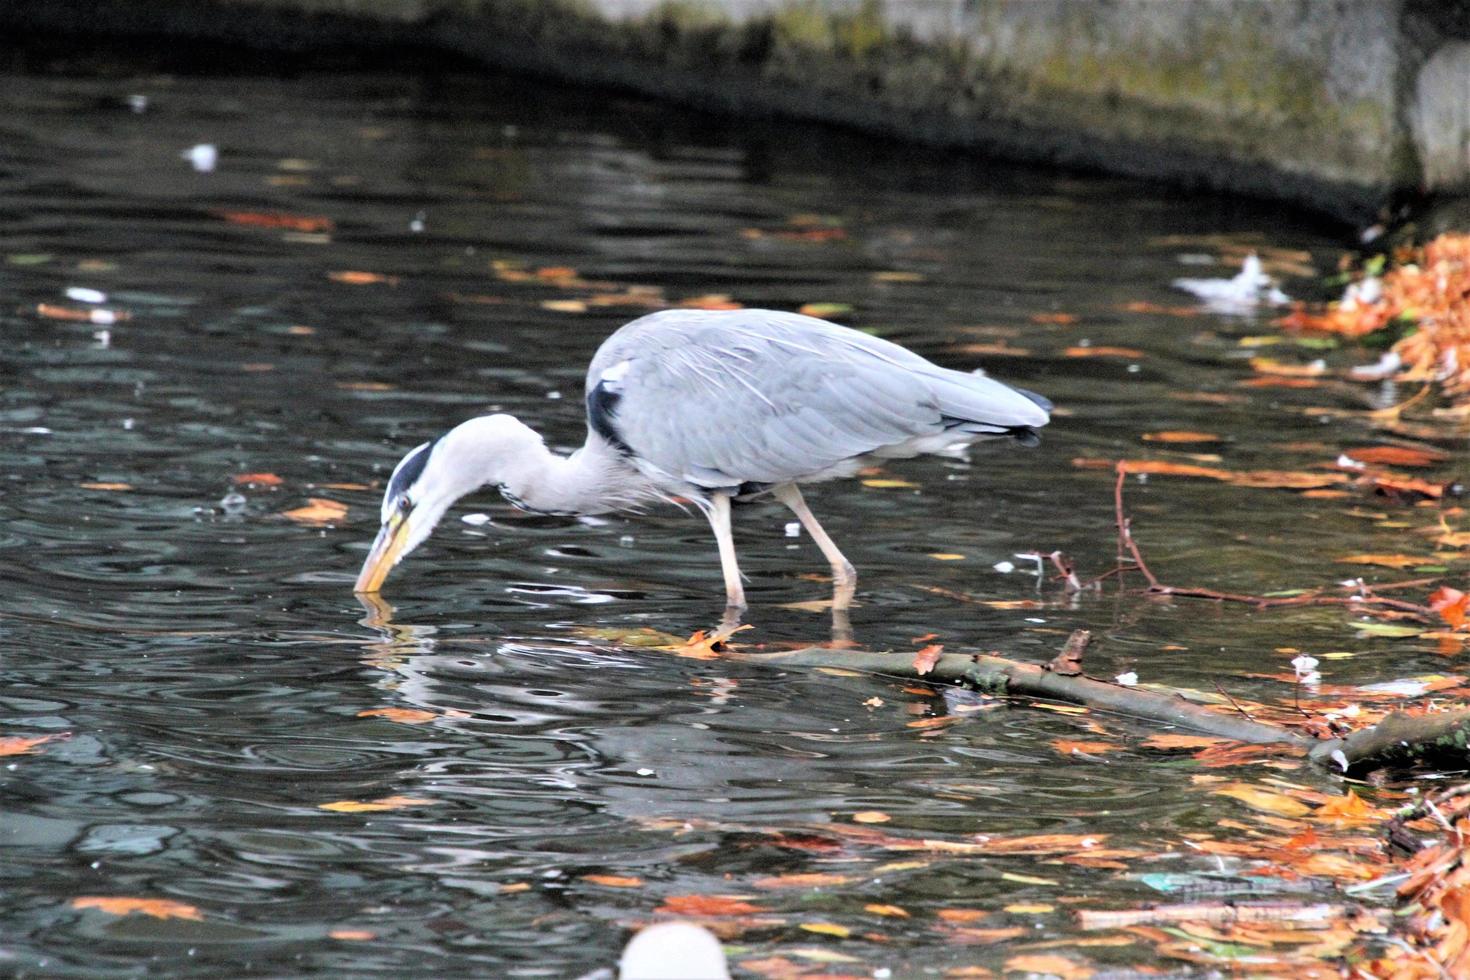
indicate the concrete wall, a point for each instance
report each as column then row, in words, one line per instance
column 1339, row 104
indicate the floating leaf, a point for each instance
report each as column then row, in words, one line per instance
column 1347, row 809
column 373, row 806
column 825, row 309
column 1060, row 319
column 1450, row 604
column 1387, row 561
column 1027, row 879
column 810, row 879
column 1049, row 964
column 1033, row 908
column 1265, row 800
column 1103, row 351
column 827, row 929
column 408, row 716
column 158, row 908
column 1388, row 630
column 106, row 486
column 926, row 658
column 25, row 744
column 707, row 905
column 888, row 483
column 871, row 816
column 357, row 278
column 890, row 911
column 1180, row 437
column 564, row 305
column 946, row 556
column 614, row 881
column 1170, row 740
column 318, row 510
column 1067, row 746
column 352, row 935
column 277, row 219
column 256, row 479
column 1397, row 456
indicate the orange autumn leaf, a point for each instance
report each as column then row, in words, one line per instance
column 1263, row 799
column 1103, row 351
column 158, row 908
column 318, row 510
column 1386, row 561
column 1181, row 437
column 374, row 806
column 1143, row 306
column 926, row 658
column 891, row 911
column 25, row 744
column 827, row 929
column 963, row 915
column 614, row 881
column 1450, row 604
column 1170, row 740
column 103, row 485
column 1049, row 964
column 1286, row 479
column 1347, row 809
column 1397, row 456
column 408, row 716
column 352, row 935
column 257, row 479
column 1152, row 467
column 1267, row 365
column 308, row 223
column 357, row 278
column 810, row 879
column 92, row 314
column 707, row 905
column 870, row 816
column 1057, row 318
column 1067, row 746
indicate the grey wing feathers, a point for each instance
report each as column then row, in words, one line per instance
column 721, row 399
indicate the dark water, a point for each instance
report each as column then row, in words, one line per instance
column 209, row 668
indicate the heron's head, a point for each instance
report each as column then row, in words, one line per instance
column 427, row 482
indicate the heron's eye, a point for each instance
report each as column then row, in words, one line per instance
column 404, row 505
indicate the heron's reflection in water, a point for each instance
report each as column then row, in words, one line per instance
column 398, row 640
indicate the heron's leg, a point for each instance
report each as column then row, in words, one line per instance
column 844, row 576
column 718, row 513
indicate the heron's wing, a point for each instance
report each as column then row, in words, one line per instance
column 725, row 399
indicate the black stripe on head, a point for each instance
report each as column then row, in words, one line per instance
column 602, row 404
column 408, row 470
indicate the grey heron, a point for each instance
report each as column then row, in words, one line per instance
column 710, row 407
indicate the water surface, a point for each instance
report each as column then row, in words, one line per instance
column 379, row 255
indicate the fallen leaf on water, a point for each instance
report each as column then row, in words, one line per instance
column 707, row 905
column 963, row 915
column 711, row 301
column 946, row 556
column 1045, row 843
column 1049, row 964
column 926, row 658
column 105, row 486
column 366, row 386
column 564, row 305
column 91, row 314
column 827, row 929
column 277, row 219
column 158, row 908
column 1397, row 456
column 1142, row 306
column 409, row 716
column 1027, row 879
column 257, row 479
column 1268, row 365
column 889, row 483
column 318, row 510
column 373, row 806
column 1174, row 741
column 1033, row 908
column 871, row 816
column 809, row 879
column 25, row 744
column 824, row 309
column 352, row 935
column 897, row 275
column 614, row 881
column 1180, row 437
column 1347, row 809
column 1286, row 479
column 1263, row 799
column 356, row 278
column 1450, row 604
column 1389, row 630
column 1067, row 746
column 1387, row 561
column 891, row 911
column 1104, row 351
column 1058, row 318
column 1152, row 467
column 706, row 646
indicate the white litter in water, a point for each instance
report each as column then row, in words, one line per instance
column 553, row 395
column 793, row 529
column 645, row 772
column 1129, row 679
column 83, row 295
column 418, row 223
column 202, row 157
column 475, row 520
column 138, row 103
column 232, row 503
column 1242, row 294
column 1004, row 567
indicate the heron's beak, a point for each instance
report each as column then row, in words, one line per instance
column 386, row 550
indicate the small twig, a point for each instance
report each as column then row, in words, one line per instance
column 1237, row 704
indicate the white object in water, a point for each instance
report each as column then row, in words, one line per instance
column 673, row 951
column 202, row 157
column 1249, row 289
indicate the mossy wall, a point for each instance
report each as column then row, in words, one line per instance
column 1305, row 100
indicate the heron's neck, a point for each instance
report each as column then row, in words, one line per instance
column 502, row 451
